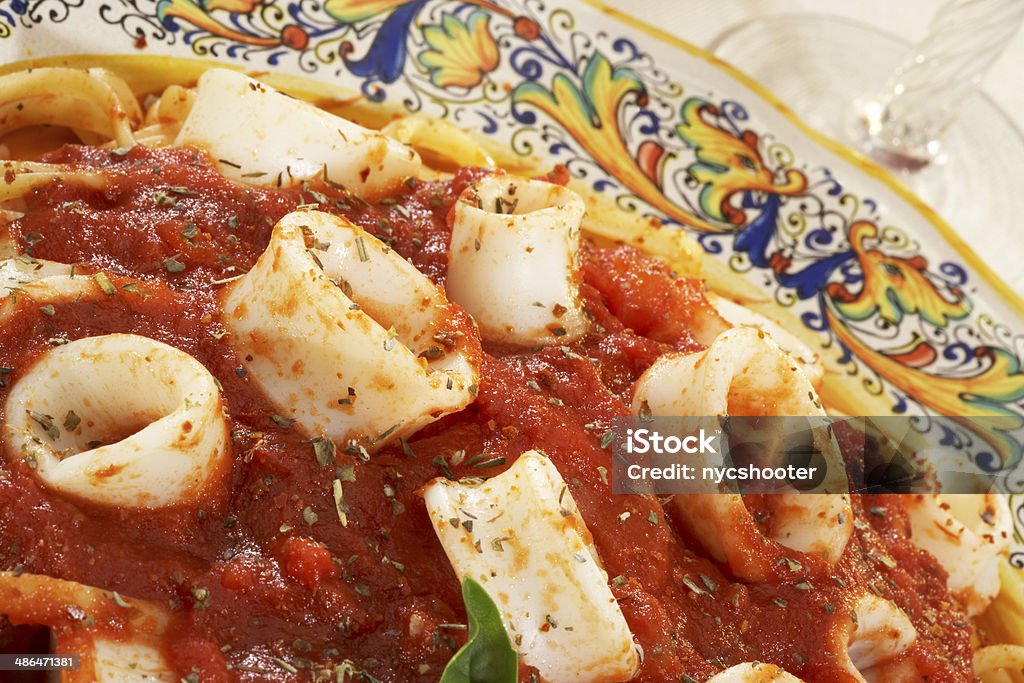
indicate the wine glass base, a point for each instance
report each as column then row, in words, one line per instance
column 826, row 69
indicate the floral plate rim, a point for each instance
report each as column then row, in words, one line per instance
column 863, row 162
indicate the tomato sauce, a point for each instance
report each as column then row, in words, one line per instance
column 267, row 585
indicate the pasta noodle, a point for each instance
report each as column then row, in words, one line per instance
column 22, row 177
column 93, row 101
column 281, row 380
column 999, row 660
column 18, row 271
column 26, row 281
column 446, row 146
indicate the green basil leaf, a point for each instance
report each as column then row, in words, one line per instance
column 488, row 655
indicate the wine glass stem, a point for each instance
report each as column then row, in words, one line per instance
column 905, row 123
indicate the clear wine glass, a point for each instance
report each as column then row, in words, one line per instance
column 916, row 110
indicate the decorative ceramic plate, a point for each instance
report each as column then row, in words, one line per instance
column 907, row 319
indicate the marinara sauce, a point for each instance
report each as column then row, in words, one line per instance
column 266, row 584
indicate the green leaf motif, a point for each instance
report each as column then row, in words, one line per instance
column 488, row 655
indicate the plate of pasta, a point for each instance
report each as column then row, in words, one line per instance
column 316, row 320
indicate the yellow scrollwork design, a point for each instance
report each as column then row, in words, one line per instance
column 197, row 13
column 727, row 164
column 461, row 52
column 894, row 286
column 354, row 11
column 984, row 394
column 591, row 115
